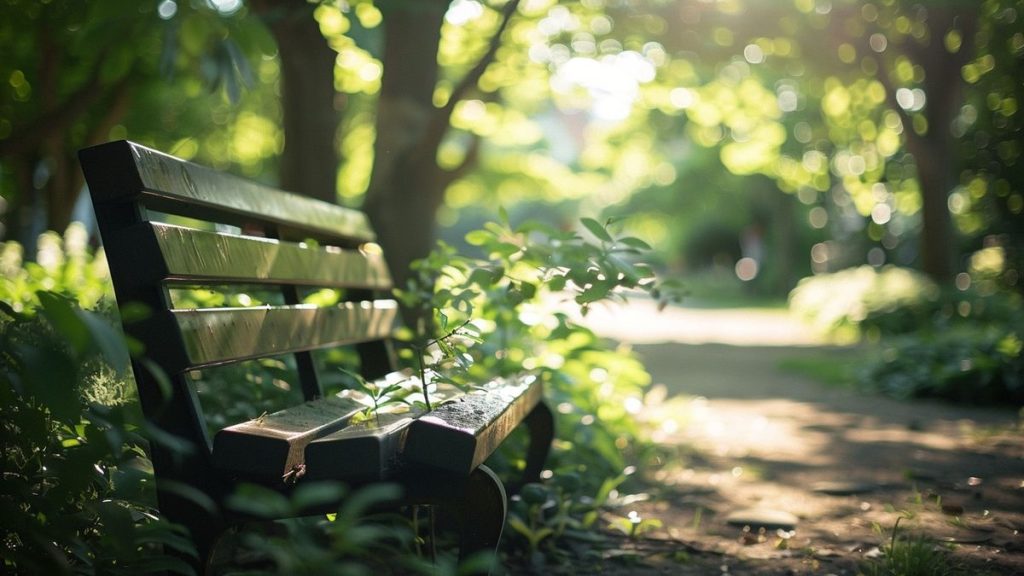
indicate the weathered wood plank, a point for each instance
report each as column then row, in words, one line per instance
column 271, row 446
column 324, row 438
column 370, row 449
column 460, row 435
column 364, row 451
column 194, row 255
column 219, row 335
column 122, row 170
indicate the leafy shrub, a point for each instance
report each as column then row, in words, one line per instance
column 968, row 364
column 77, row 493
column 344, row 543
column 889, row 300
column 518, row 297
column 514, row 299
column 62, row 264
column 963, row 345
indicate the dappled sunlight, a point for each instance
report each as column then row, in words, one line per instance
column 642, row 323
column 756, row 429
column 742, row 439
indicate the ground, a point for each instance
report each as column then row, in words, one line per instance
column 751, row 436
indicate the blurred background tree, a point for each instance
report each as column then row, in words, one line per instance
column 754, row 141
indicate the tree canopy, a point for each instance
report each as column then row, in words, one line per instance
column 837, row 131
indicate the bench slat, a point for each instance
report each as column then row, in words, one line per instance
column 360, row 452
column 460, row 435
column 270, row 446
column 210, row 257
column 214, row 336
column 320, row 435
column 122, row 170
column 370, row 450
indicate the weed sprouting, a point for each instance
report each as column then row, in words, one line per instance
column 907, row 555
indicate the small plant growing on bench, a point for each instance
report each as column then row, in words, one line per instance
column 380, row 396
column 452, row 348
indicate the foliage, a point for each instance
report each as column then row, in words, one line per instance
column 860, row 297
column 77, row 494
column 967, row 364
column 346, row 542
column 64, row 265
column 963, row 345
column 77, row 491
column 80, row 73
column 519, row 294
column 81, row 451
column 909, row 556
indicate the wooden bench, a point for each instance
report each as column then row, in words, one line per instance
column 290, row 245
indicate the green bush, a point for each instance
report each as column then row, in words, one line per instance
column 78, row 493
column 856, row 300
column 515, row 301
column 62, row 264
column 967, row 364
column 963, row 345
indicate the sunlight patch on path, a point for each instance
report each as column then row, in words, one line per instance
column 640, row 322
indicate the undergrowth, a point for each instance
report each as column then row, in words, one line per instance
column 78, row 491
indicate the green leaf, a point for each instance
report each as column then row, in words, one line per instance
column 166, row 534
column 259, row 501
column 158, row 375
column 61, row 314
column 482, row 277
column 594, row 293
column 51, row 376
column 596, row 229
column 498, row 274
column 518, row 525
column 316, row 494
column 367, row 497
column 479, row 237
column 634, row 243
column 108, row 341
column 505, row 249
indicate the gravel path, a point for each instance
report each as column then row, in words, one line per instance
column 745, row 437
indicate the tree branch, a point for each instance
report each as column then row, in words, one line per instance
column 469, row 161
column 439, row 122
column 52, row 122
column 115, row 112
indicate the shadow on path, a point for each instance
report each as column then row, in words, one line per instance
column 746, row 435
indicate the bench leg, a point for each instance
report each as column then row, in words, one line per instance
column 540, row 423
column 481, row 515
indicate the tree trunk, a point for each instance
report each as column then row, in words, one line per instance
column 407, row 186
column 934, row 150
column 309, row 162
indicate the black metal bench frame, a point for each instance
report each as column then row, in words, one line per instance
column 437, row 459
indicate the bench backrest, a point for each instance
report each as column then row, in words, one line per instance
column 276, row 239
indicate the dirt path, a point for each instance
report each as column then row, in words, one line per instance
column 749, row 436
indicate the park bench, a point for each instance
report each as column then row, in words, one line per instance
column 239, row 233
